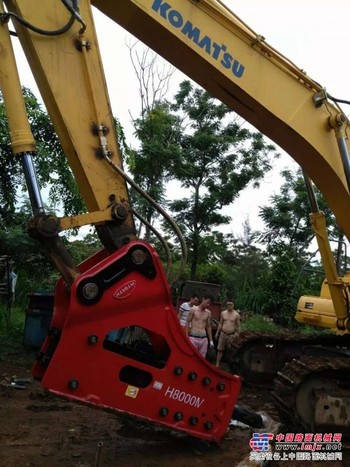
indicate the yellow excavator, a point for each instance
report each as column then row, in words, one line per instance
column 124, row 287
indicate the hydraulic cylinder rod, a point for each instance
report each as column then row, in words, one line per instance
column 32, row 184
column 22, row 140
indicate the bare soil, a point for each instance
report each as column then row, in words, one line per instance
column 37, row 429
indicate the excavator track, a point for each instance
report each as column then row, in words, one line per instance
column 312, row 394
column 257, row 357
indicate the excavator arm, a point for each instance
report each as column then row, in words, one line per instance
column 68, row 70
column 90, row 354
column 217, row 50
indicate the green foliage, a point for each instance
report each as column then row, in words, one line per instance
column 34, row 269
column 152, row 164
column 248, row 268
column 52, row 168
column 80, row 250
column 258, row 323
column 279, row 282
column 10, row 173
column 215, row 273
column 288, row 237
column 287, row 217
column 219, row 158
column 311, row 330
column 30, row 262
column 11, row 329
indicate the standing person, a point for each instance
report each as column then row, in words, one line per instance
column 12, row 283
column 198, row 326
column 185, row 308
column 228, row 329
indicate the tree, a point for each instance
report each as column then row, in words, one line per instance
column 30, row 262
column 152, row 164
column 53, row 171
column 153, row 74
column 248, row 267
column 156, row 129
column 10, row 173
column 288, row 236
column 219, row 158
column 287, row 217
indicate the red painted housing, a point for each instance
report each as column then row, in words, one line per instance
column 115, row 342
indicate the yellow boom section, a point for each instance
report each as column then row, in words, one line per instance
column 68, row 70
column 213, row 47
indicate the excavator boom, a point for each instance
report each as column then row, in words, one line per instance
column 212, row 46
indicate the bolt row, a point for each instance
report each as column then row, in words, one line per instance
column 192, row 376
column 178, row 416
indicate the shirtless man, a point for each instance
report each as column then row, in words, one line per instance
column 199, row 320
column 229, row 327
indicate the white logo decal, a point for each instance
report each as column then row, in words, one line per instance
column 125, row 290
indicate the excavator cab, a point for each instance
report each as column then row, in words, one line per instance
column 318, row 311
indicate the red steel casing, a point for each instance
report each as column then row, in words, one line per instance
column 168, row 382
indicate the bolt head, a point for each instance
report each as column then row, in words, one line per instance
column 193, row 421
column 73, row 384
column 93, row 339
column 206, row 381
column 178, row 370
column 163, row 411
column 220, row 387
column 90, row 291
column 208, row 425
column 178, row 416
column 138, row 257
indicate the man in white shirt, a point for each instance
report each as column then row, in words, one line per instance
column 185, row 308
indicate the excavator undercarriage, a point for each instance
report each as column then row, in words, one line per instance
column 312, row 394
column 259, row 356
column 309, row 375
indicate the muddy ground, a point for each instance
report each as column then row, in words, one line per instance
column 39, row 430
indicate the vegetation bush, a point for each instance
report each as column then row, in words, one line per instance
column 11, row 330
column 259, row 323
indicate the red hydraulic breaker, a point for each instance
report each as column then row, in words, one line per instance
column 115, row 342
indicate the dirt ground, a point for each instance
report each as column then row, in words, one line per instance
column 39, row 430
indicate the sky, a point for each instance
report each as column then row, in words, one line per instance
column 314, row 34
